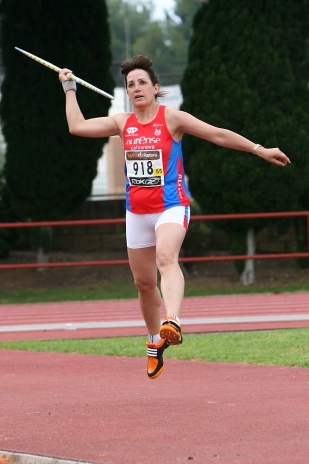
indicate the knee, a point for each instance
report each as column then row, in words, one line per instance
column 165, row 258
column 144, row 285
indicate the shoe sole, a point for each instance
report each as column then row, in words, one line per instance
column 170, row 334
column 157, row 374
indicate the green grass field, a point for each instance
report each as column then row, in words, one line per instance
column 272, row 347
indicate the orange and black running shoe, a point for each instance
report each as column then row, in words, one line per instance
column 155, row 358
column 171, row 331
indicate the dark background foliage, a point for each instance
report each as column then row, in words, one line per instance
column 49, row 172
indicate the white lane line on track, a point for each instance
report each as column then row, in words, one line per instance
column 140, row 323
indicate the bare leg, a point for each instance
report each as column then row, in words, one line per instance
column 169, row 240
column 144, row 269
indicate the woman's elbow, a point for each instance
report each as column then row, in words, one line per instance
column 74, row 130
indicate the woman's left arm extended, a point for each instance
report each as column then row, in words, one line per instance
column 182, row 122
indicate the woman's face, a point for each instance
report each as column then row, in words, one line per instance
column 140, row 89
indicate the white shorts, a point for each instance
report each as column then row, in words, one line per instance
column 141, row 228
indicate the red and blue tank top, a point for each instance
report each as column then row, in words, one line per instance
column 155, row 177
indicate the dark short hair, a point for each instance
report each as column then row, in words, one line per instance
column 140, row 62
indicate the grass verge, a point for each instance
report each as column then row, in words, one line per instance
column 288, row 347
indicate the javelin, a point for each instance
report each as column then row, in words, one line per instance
column 71, row 76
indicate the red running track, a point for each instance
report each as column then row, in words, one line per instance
column 105, row 410
column 91, row 319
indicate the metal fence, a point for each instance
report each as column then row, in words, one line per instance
column 113, row 262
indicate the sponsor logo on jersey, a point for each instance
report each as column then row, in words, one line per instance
column 140, row 155
column 131, row 130
column 179, row 186
column 143, row 140
column 145, row 181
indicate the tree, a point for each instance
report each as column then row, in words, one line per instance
column 185, row 11
column 134, row 31
column 4, row 242
column 250, row 76
column 8, row 237
column 127, row 22
column 49, row 172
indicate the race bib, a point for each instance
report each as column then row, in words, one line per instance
column 144, row 168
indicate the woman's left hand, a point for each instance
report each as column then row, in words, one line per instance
column 273, row 155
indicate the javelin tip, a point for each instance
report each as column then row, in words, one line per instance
column 20, row 50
